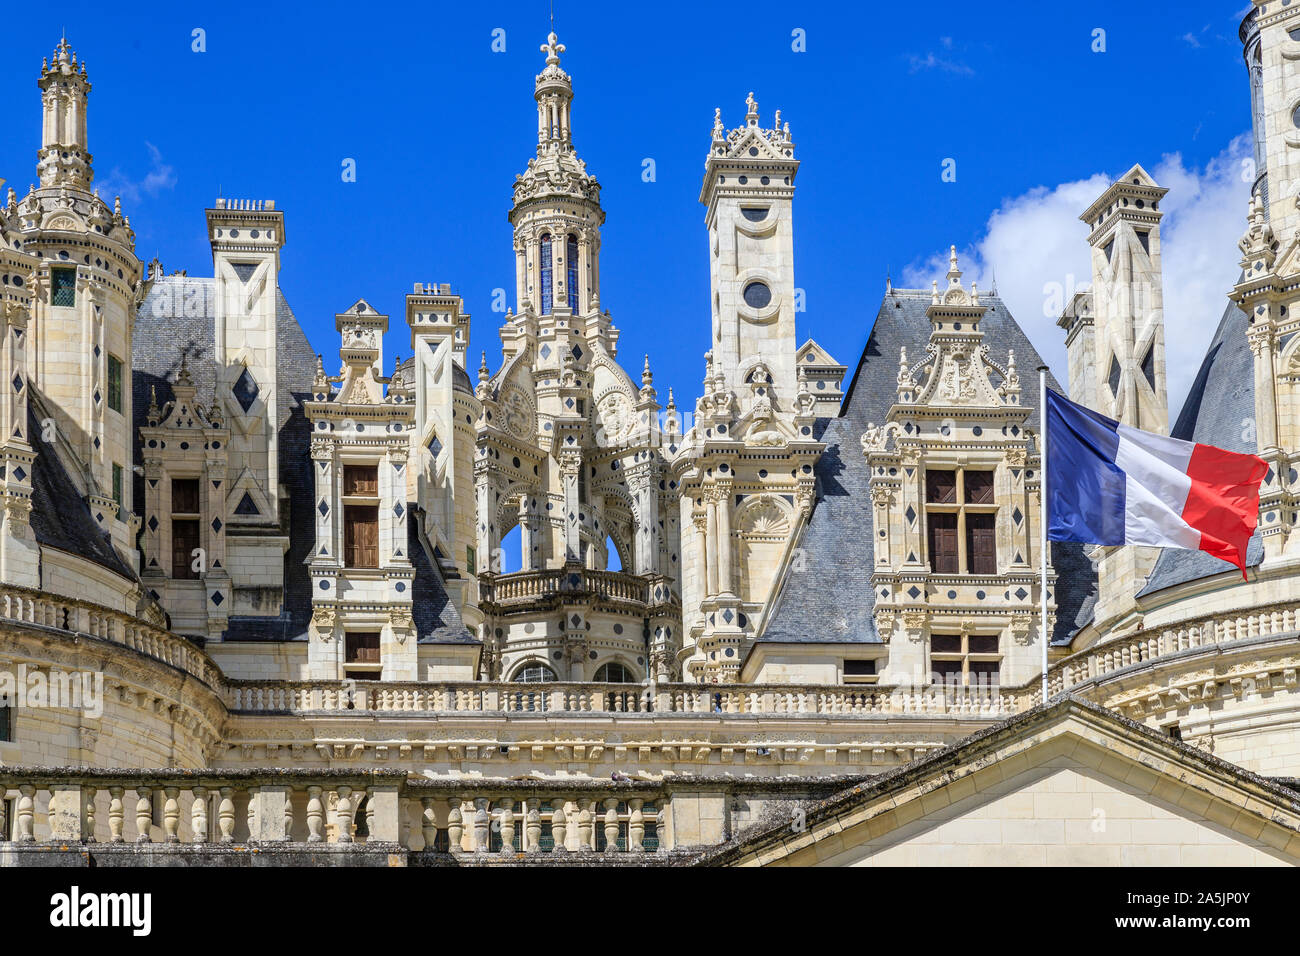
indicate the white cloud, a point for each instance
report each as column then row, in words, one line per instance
column 160, row 176
column 932, row 62
column 1038, row 250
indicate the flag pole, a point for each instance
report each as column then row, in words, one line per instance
column 1042, row 520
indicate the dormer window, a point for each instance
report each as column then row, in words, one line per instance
column 361, row 516
column 185, row 528
column 961, row 521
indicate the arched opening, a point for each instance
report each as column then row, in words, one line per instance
column 510, row 557
column 571, row 271
column 613, row 560
column 533, row 672
column 615, row 673
column 548, row 286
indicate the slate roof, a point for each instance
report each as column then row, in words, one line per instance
column 179, row 318
column 831, row 599
column 60, row 516
column 1220, row 403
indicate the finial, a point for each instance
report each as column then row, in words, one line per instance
column 552, row 49
column 183, row 378
column 889, row 283
column 483, row 374
column 154, row 412
column 117, row 206
column 646, row 377
column 672, row 403
column 934, row 295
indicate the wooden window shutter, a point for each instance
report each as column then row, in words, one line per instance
column 361, row 536
column 981, row 543
column 185, row 538
column 941, row 487
column 943, row 543
column 979, row 487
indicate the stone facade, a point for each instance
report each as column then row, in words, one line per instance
column 798, row 599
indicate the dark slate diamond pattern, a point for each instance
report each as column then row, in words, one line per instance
column 245, row 390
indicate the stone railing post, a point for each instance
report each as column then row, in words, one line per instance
column 507, row 826
column 315, row 815
column 26, row 813
column 456, row 826
column 116, row 815
column 4, row 820
column 383, row 814
column 343, row 814
column 635, row 825
column 143, row 813
column 611, row 825
column 199, row 815
column 267, row 809
column 67, row 813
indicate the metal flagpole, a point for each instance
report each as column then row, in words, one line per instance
column 1042, row 520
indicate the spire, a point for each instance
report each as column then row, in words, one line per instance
column 554, row 94
column 64, row 159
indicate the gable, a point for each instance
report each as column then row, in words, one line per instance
column 1069, row 784
column 1066, row 812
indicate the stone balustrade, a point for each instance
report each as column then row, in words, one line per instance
column 84, row 619
column 1101, row 660
column 568, row 698
column 234, row 808
column 503, row 593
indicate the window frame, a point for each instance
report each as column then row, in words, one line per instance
column 961, row 508
column 187, row 518
column 115, row 390
column 58, row 285
column 360, row 500
column 966, row 657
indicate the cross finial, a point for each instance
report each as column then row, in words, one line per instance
column 552, row 49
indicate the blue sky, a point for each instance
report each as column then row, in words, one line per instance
column 439, row 125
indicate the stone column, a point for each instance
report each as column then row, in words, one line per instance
column 383, row 814
column 570, row 463
column 711, row 540
column 726, row 578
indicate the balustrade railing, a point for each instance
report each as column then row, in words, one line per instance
column 40, row 608
column 53, row 806
column 504, row 590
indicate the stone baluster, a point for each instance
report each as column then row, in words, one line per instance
column 88, row 831
column 559, row 826
column 26, row 813
column 143, row 814
column 4, row 820
column 481, row 825
column 455, row 827
column 372, row 797
column 343, row 814
column 315, row 816
column 199, row 816
column 288, row 814
column 116, row 815
column 611, row 825
column 635, row 825
column 532, row 828
column 226, row 815
column 171, row 814
column 428, row 822
column 586, row 824
column 251, row 813
column 507, row 825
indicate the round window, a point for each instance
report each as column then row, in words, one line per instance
column 758, row 295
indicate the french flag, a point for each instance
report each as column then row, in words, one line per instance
column 1112, row 484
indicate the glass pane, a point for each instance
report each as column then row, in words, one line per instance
column 984, row 644
column 547, row 293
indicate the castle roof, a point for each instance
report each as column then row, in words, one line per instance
column 1217, row 411
column 837, row 545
